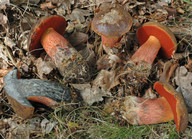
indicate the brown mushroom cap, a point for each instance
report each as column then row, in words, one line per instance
column 112, row 22
column 162, row 33
column 176, row 102
column 58, row 23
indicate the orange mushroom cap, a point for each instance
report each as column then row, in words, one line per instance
column 176, row 102
column 58, row 23
column 162, row 33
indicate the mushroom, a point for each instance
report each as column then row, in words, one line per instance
column 20, row 91
column 153, row 37
column 140, row 111
column 176, row 102
column 48, row 33
column 111, row 23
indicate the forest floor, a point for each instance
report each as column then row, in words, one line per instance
column 85, row 118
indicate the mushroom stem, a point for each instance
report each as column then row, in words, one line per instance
column 147, row 111
column 148, row 51
column 110, row 42
column 50, row 39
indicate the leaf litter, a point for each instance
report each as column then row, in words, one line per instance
column 17, row 18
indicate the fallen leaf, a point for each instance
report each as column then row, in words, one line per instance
column 183, row 80
column 107, row 61
column 9, row 42
column 189, row 63
column 3, row 72
column 23, row 40
column 168, row 70
column 181, row 11
column 149, row 94
column 89, row 55
column 106, row 80
column 77, row 40
column 70, row 27
column 171, row 12
column 3, row 54
column 47, row 125
column 3, row 19
column 19, row 2
column 46, row 5
column 19, row 129
column 78, row 15
column 162, row 3
column 44, row 67
column 91, row 94
column 3, row 4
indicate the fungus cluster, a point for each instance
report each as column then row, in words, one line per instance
column 111, row 24
column 154, row 38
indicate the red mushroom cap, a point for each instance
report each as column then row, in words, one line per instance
column 176, row 102
column 162, row 33
column 58, row 23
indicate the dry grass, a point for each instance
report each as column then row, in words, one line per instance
column 92, row 122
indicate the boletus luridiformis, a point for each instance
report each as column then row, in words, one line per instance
column 47, row 33
column 154, row 37
column 21, row 91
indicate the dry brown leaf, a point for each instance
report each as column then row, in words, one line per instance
column 46, row 5
column 78, row 40
column 78, row 15
column 44, row 66
column 172, row 12
column 3, row 55
column 3, row 72
column 183, row 79
column 23, row 40
column 106, row 80
column 3, row 4
column 108, row 61
column 91, row 94
column 181, row 30
column 47, row 125
column 3, row 19
column 189, row 63
column 181, row 11
column 149, row 94
column 9, row 42
column 63, row 7
column 162, row 3
column 89, row 55
column 19, row 2
column 19, row 130
column 168, row 70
